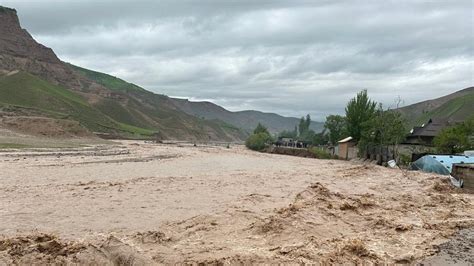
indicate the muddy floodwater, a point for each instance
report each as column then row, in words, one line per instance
column 142, row 203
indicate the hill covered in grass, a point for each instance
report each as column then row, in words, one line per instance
column 243, row 120
column 34, row 80
column 24, row 90
column 454, row 107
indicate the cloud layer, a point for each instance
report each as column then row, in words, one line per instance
column 289, row 57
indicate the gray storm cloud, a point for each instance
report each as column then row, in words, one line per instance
column 289, row 57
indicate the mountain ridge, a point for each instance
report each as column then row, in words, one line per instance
column 129, row 114
column 130, row 108
column 453, row 107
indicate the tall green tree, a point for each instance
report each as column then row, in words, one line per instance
column 337, row 127
column 260, row 129
column 304, row 124
column 387, row 127
column 359, row 110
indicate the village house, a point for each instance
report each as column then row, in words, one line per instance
column 346, row 148
column 425, row 134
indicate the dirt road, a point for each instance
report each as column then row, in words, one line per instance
column 146, row 204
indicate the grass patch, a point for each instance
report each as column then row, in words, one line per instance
column 107, row 81
column 320, row 153
column 14, row 146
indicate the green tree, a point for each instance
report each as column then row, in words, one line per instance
column 456, row 139
column 307, row 135
column 259, row 139
column 304, row 124
column 288, row 134
column 359, row 110
column 386, row 127
column 258, row 142
column 337, row 127
column 320, row 138
column 260, row 129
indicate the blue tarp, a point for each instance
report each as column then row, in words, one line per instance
column 440, row 164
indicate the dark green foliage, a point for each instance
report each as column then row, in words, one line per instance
column 359, row 110
column 289, row 134
column 259, row 139
column 258, row 142
column 304, row 124
column 305, row 134
column 320, row 139
column 337, row 127
column 260, row 129
column 6, row 9
column 320, row 153
column 456, row 139
column 383, row 129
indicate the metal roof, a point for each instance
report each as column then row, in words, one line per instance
column 448, row 160
column 345, row 140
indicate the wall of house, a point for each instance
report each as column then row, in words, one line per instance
column 343, row 150
column 466, row 173
column 347, row 150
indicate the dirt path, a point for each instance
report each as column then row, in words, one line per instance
column 166, row 204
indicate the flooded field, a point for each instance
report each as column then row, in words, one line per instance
column 141, row 203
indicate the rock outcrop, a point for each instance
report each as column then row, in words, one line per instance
column 19, row 51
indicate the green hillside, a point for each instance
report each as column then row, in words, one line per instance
column 28, row 91
column 456, row 109
column 107, row 81
column 142, row 108
column 458, row 106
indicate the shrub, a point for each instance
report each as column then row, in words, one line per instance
column 319, row 153
column 456, row 139
column 258, row 142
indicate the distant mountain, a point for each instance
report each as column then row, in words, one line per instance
column 34, row 80
column 246, row 120
column 454, row 107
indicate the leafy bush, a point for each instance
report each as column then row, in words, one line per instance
column 320, row 154
column 456, row 139
column 404, row 159
column 258, row 142
column 261, row 129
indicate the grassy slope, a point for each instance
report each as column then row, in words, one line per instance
column 146, row 109
column 457, row 109
column 107, row 81
column 456, row 106
column 28, row 91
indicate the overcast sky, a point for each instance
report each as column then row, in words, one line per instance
column 288, row 57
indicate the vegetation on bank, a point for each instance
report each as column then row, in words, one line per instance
column 320, row 153
column 456, row 139
column 259, row 139
column 367, row 123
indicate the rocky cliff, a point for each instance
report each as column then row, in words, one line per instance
column 33, row 77
column 19, row 51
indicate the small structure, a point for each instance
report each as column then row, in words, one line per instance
column 292, row 143
column 347, row 148
column 443, row 165
column 464, row 172
column 424, row 134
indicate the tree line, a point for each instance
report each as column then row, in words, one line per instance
column 369, row 124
